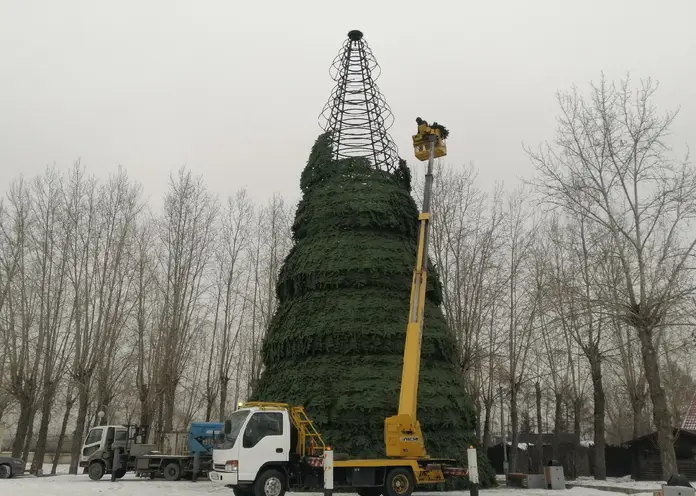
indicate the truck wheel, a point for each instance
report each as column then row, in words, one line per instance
column 172, row 471
column 5, row 471
column 96, row 470
column 270, row 483
column 399, row 482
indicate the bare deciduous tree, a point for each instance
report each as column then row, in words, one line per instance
column 266, row 252
column 522, row 301
column 50, row 243
column 83, row 225
column 611, row 166
column 119, row 206
column 466, row 240
column 631, row 374
column 13, row 218
column 102, row 221
column 22, row 339
column 146, row 337
column 186, row 236
column 69, row 402
column 232, row 302
column 579, row 254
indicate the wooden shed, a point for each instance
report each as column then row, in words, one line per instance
column 496, row 457
column 575, row 459
column 645, row 455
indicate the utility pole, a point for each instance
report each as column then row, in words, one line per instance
column 502, row 431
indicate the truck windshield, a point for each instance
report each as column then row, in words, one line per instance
column 226, row 441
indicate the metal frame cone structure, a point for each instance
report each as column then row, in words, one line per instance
column 356, row 114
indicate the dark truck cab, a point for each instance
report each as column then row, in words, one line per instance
column 118, row 449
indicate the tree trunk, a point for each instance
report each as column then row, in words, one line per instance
column 479, row 408
column 237, row 383
column 30, row 434
column 224, row 384
column 37, row 462
column 79, row 432
column 661, row 416
column 169, row 407
column 145, row 405
column 577, row 408
column 22, row 428
column 600, row 469
column 209, row 400
column 637, row 407
column 515, row 429
column 557, row 419
column 69, row 402
column 540, row 429
column 488, row 406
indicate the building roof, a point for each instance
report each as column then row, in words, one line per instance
column 687, row 433
column 547, row 438
column 689, row 422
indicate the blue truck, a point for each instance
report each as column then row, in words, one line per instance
column 118, row 449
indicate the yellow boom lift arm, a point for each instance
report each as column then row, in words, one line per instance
column 402, row 432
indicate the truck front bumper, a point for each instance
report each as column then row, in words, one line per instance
column 223, row 478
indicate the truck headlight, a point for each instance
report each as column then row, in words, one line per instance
column 231, row 465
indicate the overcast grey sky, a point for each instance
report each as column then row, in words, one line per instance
column 232, row 89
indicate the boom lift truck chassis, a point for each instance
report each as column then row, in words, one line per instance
column 270, row 448
column 117, row 449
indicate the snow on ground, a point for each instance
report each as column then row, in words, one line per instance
column 81, row 485
column 624, row 482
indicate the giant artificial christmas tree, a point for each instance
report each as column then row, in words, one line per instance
column 335, row 344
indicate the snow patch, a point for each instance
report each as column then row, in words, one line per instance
column 81, row 485
column 624, row 482
column 522, row 446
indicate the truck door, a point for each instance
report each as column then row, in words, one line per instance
column 266, row 438
column 93, row 443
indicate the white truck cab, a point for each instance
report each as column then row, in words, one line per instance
column 98, row 439
column 96, row 456
column 268, row 449
column 254, row 439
